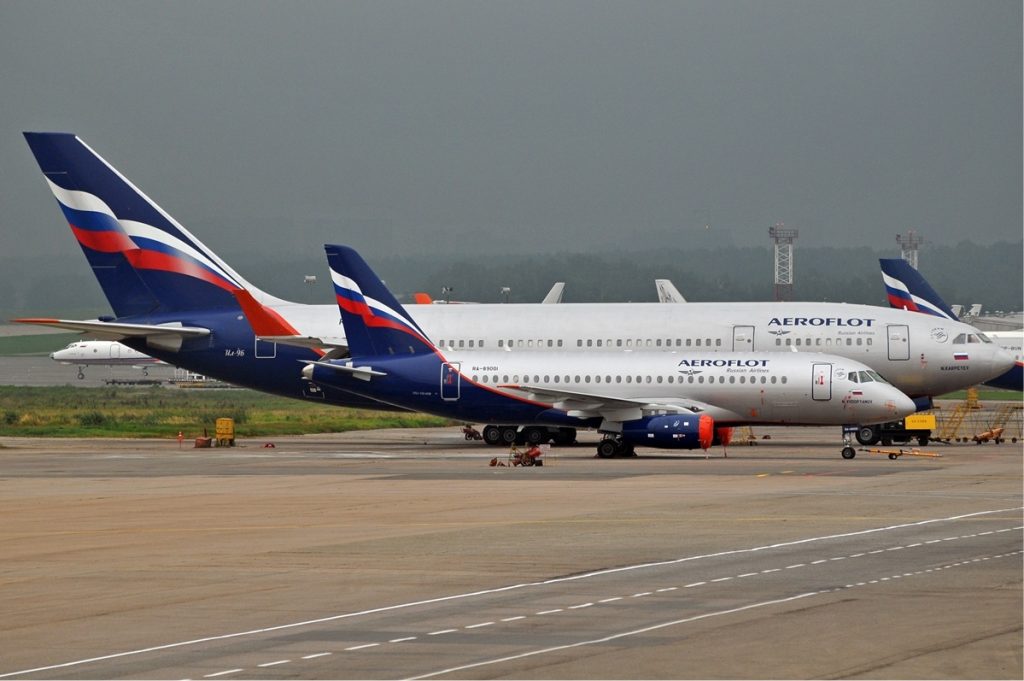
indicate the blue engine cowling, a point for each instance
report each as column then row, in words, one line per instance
column 675, row 431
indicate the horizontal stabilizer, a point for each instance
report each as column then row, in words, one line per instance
column 365, row 373
column 311, row 342
column 115, row 330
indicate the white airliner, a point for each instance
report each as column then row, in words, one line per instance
column 650, row 398
column 97, row 352
column 174, row 298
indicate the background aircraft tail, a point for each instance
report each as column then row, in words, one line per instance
column 375, row 323
column 908, row 290
column 144, row 260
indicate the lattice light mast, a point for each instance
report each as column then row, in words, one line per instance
column 908, row 246
column 783, row 238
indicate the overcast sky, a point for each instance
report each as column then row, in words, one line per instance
column 480, row 126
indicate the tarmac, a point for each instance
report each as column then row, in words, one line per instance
column 404, row 554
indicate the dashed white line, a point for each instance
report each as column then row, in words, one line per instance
column 765, row 572
column 223, row 673
column 273, row 664
column 722, row 579
column 402, row 640
column 747, row 574
column 581, row 605
column 642, row 593
column 838, row 558
column 549, row 612
column 315, row 655
column 365, row 645
column 798, row 565
column 688, row 586
column 513, row 619
column 819, row 562
column 610, row 600
column 668, row 588
column 477, row 626
column 442, row 631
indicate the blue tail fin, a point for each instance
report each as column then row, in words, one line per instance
column 908, row 290
column 144, row 260
column 375, row 323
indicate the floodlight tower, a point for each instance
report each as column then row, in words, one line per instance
column 783, row 239
column 908, row 246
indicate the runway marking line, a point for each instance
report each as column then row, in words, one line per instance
column 223, row 673
column 663, row 625
column 315, row 655
column 477, row 626
column 273, row 664
column 503, row 589
column 443, row 631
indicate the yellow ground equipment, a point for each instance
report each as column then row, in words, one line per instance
column 897, row 453
column 225, row 432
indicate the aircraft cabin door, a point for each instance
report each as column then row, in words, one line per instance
column 899, row 341
column 743, row 338
column 821, row 386
column 115, row 351
column 450, row 381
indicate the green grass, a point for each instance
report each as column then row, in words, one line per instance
column 162, row 412
column 38, row 344
column 991, row 394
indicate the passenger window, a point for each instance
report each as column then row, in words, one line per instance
column 590, row 343
column 462, row 343
column 860, row 341
column 556, row 378
column 598, row 342
column 559, row 342
column 784, row 379
column 660, row 379
column 718, row 342
column 778, row 341
column 579, row 343
column 618, row 343
column 797, row 343
column 689, row 342
column 700, row 379
column 470, row 343
column 773, row 379
column 698, row 342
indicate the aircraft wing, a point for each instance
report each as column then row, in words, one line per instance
column 115, row 330
column 586, row 405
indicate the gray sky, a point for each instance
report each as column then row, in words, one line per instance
column 480, row 126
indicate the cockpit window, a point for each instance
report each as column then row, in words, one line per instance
column 984, row 338
column 960, row 339
column 876, row 376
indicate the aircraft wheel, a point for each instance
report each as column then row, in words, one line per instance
column 508, row 435
column 849, row 452
column 867, row 435
column 565, row 436
column 606, row 449
column 80, row 375
column 923, row 440
column 535, row 436
column 492, row 435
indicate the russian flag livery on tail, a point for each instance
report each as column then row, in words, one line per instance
column 908, row 290
column 144, row 260
column 384, row 327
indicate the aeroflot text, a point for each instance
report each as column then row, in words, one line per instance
column 723, row 363
column 820, row 321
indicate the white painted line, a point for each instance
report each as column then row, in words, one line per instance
column 477, row 626
column 365, row 645
column 895, row 548
column 765, row 572
column 443, row 631
column 672, row 588
column 402, row 640
column 273, row 664
column 688, row 586
column 819, row 562
column 315, row 655
column 798, row 565
column 606, row 639
column 503, row 589
column 982, row 534
column 856, row 555
column 641, row 594
column 911, row 546
column 580, row 606
column 549, row 612
column 513, row 619
column 838, row 558
column 721, row 579
column 223, row 673
column 747, row 574
column 610, row 600
column 878, row 551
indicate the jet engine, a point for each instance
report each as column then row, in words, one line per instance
column 674, row 431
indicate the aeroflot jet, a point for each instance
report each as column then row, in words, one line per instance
column 908, row 290
column 174, row 299
column 657, row 399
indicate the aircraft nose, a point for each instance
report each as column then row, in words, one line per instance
column 1001, row 362
column 904, row 405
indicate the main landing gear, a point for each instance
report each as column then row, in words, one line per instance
column 614, row 446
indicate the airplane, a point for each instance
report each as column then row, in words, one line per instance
column 667, row 292
column 173, row 298
column 96, row 352
column 665, row 400
column 908, row 290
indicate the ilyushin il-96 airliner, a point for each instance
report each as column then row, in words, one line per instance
column 175, row 299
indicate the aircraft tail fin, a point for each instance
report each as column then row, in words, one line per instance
column 144, row 260
column 375, row 323
column 908, row 290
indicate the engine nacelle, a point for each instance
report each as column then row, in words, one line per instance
column 723, row 436
column 675, row 431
